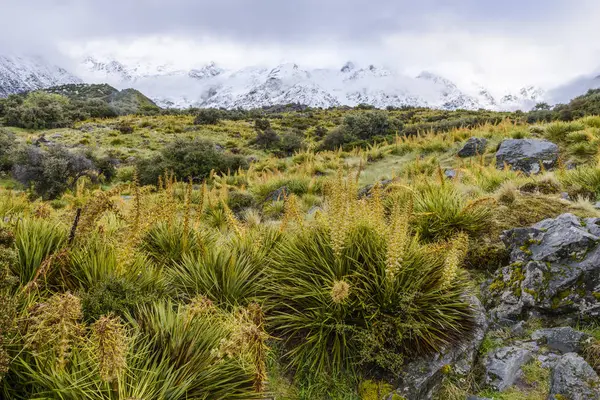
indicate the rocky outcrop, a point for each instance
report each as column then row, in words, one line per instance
column 527, row 155
column 422, row 377
column 574, row 379
column 474, row 146
column 554, row 272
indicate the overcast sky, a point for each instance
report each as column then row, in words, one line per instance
column 501, row 42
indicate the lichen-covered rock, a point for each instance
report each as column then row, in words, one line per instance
column 503, row 366
column 473, row 147
column 279, row 194
column 527, row 155
column 554, row 271
column 574, row 379
column 366, row 190
column 421, row 378
column 564, row 339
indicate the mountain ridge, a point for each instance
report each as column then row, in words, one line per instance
column 212, row 86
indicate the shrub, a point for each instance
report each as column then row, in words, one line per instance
column 8, row 145
column 39, row 110
column 335, row 139
column 52, row 171
column 370, row 124
column 188, row 159
column 291, row 142
column 207, row 116
column 113, row 295
column 262, row 124
column 267, row 139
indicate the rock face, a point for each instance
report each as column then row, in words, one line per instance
column 503, row 366
column 564, row 339
column 421, row 378
column 473, row 147
column 574, row 379
column 554, row 272
column 527, row 155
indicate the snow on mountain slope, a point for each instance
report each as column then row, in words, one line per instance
column 251, row 87
column 20, row 74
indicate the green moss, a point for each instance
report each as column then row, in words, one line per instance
column 374, row 390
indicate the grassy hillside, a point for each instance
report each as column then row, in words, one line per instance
column 232, row 254
column 124, row 102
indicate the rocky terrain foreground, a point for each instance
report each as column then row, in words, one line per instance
column 528, row 316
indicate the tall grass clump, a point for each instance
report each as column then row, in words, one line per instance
column 358, row 290
column 226, row 276
column 583, row 180
column 36, row 240
column 558, row 131
column 441, row 212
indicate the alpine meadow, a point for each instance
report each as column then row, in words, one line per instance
column 306, row 200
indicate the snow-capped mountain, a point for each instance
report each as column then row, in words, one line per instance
column 20, row 74
column 213, row 86
column 251, row 87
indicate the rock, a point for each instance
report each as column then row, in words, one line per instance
column 565, row 196
column 450, row 173
column 474, row 146
column 554, row 272
column 518, row 329
column 527, row 155
column 366, row 190
column 597, row 205
column 564, row 339
column 56, row 136
column 574, row 379
column 313, row 210
column 279, row 194
column 503, row 366
column 420, row 378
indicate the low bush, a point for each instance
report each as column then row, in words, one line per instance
column 188, row 159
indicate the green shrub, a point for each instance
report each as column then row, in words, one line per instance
column 367, row 125
column 8, row 145
column 112, row 295
column 39, row 110
column 207, row 116
column 51, row 172
column 188, row 159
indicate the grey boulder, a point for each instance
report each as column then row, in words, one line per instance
column 554, row 272
column 527, row 155
column 574, row 379
column 474, row 146
column 503, row 366
column 564, row 339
